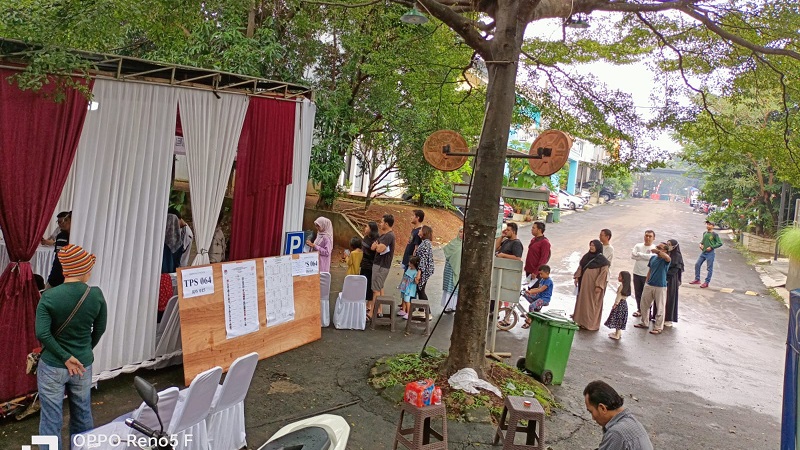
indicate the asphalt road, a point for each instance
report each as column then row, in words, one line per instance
column 711, row 382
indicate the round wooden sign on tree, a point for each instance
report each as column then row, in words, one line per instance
column 549, row 152
column 439, row 144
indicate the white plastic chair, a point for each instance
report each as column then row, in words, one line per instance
column 225, row 420
column 167, row 399
column 172, row 305
column 324, row 298
column 188, row 424
column 351, row 305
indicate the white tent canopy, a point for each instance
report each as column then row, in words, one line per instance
column 120, row 195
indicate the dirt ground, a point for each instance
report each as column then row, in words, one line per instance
column 445, row 223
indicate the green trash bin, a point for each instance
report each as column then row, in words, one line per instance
column 549, row 344
column 556, row 215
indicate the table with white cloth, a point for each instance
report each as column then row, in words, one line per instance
column 41, row 262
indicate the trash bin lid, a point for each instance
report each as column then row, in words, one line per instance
column 554, row 320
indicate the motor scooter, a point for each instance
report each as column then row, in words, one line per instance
column 323, row 432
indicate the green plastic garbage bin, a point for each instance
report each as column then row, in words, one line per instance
column 549, row 344
column 556, row 215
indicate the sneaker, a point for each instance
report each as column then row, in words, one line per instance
column 418, row 314
column 695, row 282
column 704, row 285
column 667, row 324
column 400, row 312
column 404, row 316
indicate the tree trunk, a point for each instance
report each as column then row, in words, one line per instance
column 468, row 340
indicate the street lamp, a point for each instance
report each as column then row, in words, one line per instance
column 414, row 17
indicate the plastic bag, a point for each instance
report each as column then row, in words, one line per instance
column 467, row 380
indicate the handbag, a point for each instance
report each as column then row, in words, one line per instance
column 32, row 363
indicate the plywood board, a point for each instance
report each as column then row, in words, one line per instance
column 203, row 335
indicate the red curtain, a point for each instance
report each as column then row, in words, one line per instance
column 38, row 140
column 263, row 170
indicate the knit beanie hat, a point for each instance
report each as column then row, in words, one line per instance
column 75, row 261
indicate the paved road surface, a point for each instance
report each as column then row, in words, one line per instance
column 712, row 382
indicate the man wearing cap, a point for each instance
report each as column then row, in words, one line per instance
column 708, row 245
column 70, row 320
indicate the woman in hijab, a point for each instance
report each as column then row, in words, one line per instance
column 673, row 282
column 591, row 279
column 452, row 269
column 323, row 244
column 425, row 255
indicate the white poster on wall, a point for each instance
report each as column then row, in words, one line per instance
column 278, row 290
column 240, row 285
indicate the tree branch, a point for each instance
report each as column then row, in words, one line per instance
column 342, row 5
column 622, row 6
column 718, row 30
column 460, row 24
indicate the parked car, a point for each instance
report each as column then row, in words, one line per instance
column 508, row 211
column 552, row 201
column 569, row 201
column 607, row 194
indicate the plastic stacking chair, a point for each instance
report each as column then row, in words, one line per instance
column 324, row 298
column 225, row 421
column 188, row 425
column 351, row 305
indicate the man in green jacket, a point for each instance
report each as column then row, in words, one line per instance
column 710, row 242
column 70, row 320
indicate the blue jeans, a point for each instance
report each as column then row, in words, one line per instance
column 52, row 382
column 707, row 257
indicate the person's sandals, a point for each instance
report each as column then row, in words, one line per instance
column 526, row 325
column 637, row 314
column 655, row 331
column 613, row 336
column 638, row 325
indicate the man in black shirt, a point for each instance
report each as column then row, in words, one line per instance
column 64, row 220
column 507, row 245
column 415, row 240
column 384, row 253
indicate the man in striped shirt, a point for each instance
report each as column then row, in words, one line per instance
column 621, row 431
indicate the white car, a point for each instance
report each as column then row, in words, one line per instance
column 569, row 201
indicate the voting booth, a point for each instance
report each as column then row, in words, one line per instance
column 264, row 305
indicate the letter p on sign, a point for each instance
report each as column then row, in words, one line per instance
column 294, row 243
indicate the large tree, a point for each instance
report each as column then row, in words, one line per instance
column 709, row 34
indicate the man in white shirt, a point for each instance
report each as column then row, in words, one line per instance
column 641, row 253
column 608, row 250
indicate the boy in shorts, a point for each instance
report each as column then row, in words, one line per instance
column 540, row 295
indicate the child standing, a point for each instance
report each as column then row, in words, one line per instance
column 618, row 317
column 354, row 257
column 540, row 295
column 408, row 286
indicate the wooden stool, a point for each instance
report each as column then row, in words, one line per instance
column 515, row 411
column 421, row 432
column 385, row 320
column 416, row 303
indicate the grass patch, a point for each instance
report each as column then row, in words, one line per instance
column 405, row 368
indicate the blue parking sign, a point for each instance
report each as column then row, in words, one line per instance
column 295, row 240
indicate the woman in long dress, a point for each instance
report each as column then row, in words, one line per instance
column 591, row 279
column 323, row 244
column 425, row 255
column 673, row 283
column 452, row 270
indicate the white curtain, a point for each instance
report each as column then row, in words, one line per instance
column 121, row 194
column 65, row 201
column 212, row 124
column 296, row 192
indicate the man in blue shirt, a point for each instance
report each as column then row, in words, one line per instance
column 655, row 290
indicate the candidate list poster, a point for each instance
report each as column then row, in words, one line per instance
column 240, row 285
